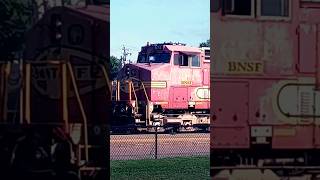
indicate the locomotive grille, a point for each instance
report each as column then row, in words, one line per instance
column 305, row 104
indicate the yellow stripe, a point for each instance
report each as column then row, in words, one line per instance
column 163, row 102
column 284, row 132
column 155, row 84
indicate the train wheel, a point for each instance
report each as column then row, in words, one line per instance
column 175, row 130
column 172, row 131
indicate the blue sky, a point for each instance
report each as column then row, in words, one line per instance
column 133, row 23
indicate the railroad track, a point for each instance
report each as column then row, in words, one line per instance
column 141, row 133
column 132, row 130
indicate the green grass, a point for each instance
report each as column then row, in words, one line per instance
column 186, row 168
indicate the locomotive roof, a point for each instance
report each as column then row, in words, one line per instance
column 183, row 48
column 101, row 12
column 98, row 12
column 175, row 47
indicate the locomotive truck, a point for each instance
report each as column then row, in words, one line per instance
column 167, row 87
column 59, row 126
column 265, row 84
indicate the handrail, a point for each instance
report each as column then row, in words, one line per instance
column 148, row 116
column 106, row 78
column 7, row 71
column 27, row 81
column 129, row 88
column 3, row 86
column 118, row 90
column 28, row 93
column 65, row 113
column 81, row 109
column 135, row 95
column 145, row 91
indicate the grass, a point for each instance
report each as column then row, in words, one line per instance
column 186, row 168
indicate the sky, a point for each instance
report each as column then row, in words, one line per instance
column 133, row 23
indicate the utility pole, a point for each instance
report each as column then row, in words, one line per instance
column 125, row 53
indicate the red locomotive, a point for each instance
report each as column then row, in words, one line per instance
column 168, row 87
column 64, row 95
column 266, row 78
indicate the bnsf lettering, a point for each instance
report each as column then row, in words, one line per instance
column 248, row 67
column 136, row 84
column 83, row 73
column 45, row 73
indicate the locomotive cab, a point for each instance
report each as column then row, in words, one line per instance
column 167, row 80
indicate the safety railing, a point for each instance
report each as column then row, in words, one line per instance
column 25, row 72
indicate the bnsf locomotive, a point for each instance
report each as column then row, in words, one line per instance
column 167, row 87
column 58, row 128
column 265, row 86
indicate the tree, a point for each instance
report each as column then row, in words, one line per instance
column 16, row 18
column 116, row 66
column 205, row 44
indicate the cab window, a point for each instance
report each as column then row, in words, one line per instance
column 176, row 60
column 184, row 60
column 154, row 58
column 237, row 7
column 195, row 62
column 278, row 8
column 261, row 9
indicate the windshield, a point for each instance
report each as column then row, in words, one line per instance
column 99, row 2
column 154, row 58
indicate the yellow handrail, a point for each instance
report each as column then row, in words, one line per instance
column 106, row 78
column 82, row 111
column 5, row 100
column 135, row 95
column 28, row 93
column 145, row 92
column 65, row 97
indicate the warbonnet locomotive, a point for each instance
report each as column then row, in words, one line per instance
column 265, row 85
column 167, row 87
column 61, row 129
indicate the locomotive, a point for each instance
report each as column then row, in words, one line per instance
column 167, row 87
column 265, row 77
column 63, row 88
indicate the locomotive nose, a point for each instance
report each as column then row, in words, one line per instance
column 137, row 73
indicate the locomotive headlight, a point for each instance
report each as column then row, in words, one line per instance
column 128, row 71
column 58, row 23
column 58, row 36
column 56, row 28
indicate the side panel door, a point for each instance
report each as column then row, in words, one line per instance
column 179, row 97
column 229, row 123
column 307, row 48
